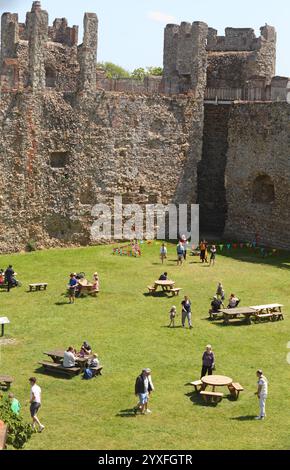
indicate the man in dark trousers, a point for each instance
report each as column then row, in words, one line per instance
column 143, row 388
column 9, row 275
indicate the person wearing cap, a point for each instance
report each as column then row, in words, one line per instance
column 262, row 393
column 143, row 387
column 216, row 304
column 208, row 361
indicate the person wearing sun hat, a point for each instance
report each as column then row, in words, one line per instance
column 143, row 387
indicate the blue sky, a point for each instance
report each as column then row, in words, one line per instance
column 131, row 31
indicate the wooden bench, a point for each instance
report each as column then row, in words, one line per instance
column 215, row 315
column 6, row 381
column 211, row 397
column 235, row 389
column 37, row 287
column 58, row 368
column 96, row 370
column 175, row 291
column 277, row 316
column 151, row 289
column 263, row 316
column 3, row 435
column 197, row 384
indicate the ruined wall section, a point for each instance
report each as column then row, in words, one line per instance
column 88, row 54
column 185, row 58
column 64, row 156
column 258, row 153
column 239, row 56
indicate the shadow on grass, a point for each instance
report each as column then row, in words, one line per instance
column 244, row 418
column 59, row 304
column 56, row 375
column 130, row 413
column 196, row 399
column 233, row 323
column 158, row 295
column 281, row 261
column 171, row 327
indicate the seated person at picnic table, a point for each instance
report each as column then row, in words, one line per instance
column 94, row 362
column 69, row 358
column 163, row 277
column 233, row 301
column 86, row 349
column 216, row 304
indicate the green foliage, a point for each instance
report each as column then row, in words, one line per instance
column 31, row 246
column 156, row 71
column 141, row 73
column 19, row 432
column 114, row 70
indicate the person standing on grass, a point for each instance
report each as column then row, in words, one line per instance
column 143, row 387
column 185, row 246
column 14, row 403
column 163, row 252
column 180, row 254
column 262, row 394
column 9, row 275
column 172, row 315
column 186, row 312
column 208, row 361
column 35, row 403
column 72, row 288
column 212, row 255
column 220, row 291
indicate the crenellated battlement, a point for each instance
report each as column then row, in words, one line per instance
column 240, row 39
column 31, row 56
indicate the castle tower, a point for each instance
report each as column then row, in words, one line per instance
column 185, row 57
column 9, row 35
column 88, row 54
column 37, row 23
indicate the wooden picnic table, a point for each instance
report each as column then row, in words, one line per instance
column 216, row 381
column 58, row 355
column 3, row 321
column 268, row 312
column 165, row 285
column 86, row 286
column 234, row 313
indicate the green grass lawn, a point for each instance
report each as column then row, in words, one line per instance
column 129, row 331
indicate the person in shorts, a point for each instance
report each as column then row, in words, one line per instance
column 143, row 388
column 35, row 403
column 180, row 254
column 172, row 315
column 72, row 288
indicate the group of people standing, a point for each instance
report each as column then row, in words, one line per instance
column 204, row 253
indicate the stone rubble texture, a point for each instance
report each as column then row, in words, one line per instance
column 71, row 138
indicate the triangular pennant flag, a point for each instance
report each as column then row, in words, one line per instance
column 221, row 247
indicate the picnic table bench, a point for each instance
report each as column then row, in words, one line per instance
column 3, row 435
column 96, row 370
column 38, row 287
column 3, row 321
column 235, row 388
column 271, row 312
column 234, row 313
column 6, row 381
column 197, row 384
column 211, row 397
column 58, row 368
column 175, row 291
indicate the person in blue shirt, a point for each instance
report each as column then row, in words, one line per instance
column 72, row 288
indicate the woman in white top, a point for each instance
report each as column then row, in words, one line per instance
column 163, row 252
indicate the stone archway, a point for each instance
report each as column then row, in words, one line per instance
column 263, row 190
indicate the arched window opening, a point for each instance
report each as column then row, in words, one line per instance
column 263, row 190
column 50, row 77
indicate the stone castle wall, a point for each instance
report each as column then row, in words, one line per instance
column 257, row 173
column 59, row 157
column 71, row 138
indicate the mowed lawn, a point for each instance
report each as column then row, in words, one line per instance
column 128, row 329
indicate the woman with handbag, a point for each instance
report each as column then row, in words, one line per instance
column 208, row 361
